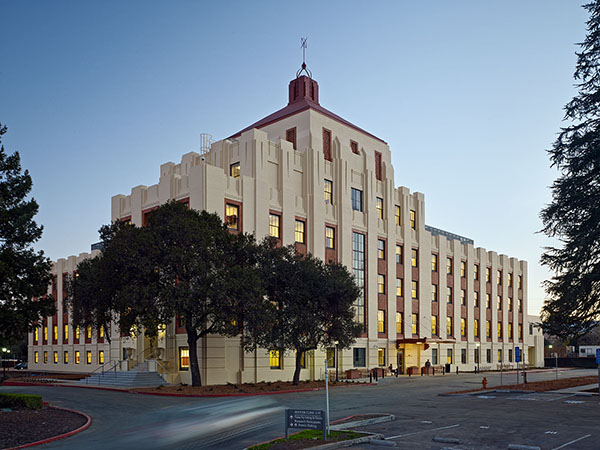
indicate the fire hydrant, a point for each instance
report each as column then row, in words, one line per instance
column 484, row 382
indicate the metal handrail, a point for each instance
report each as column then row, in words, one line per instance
column 102, row 367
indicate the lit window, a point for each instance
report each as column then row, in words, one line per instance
column 476, row 271
column 488, row 274
column 380, row 249
column 45, row 357
column 45, row 332
column 328, row 189
column 510, row 304
column 449, row 266
column 414, row 323
column 76, row 329
column 300, row 231
column 449, row 294
column 398, row 254
column 101, row 357
column 381, row 356
column 36, row 357
column 434, row 293
column 413, row 219
column 77, row 357
column 397, row 215
column 234, row 170
column 381, row 284
column 476, row 328
column 36, row 335
column 414, row 260
column 101, row 332
column 399, row 287
column 510, row 280
column 414, row 290
column 449, row 356
column 329, row 237
column 500, row 330
column 520, row 281
column 434, row 262
column 55, row 332
column 89, row 357
column 488, row 328
column 274, row 222
column 88, row 332
column 520, row 305
column 463, row 297
column 66, row 357
column 357, row 199
column 434, row 329
column 55, row 357
column 379, row 207
column 463, row 327
column 66, row 333
column 499, row 302
column 499, row 355
column 274, row 359
column 463, row 269
column 510, row 330
column 381, row 321
column 232, row 214
column 449, row 327
column 476, row 299
column 303, row 360
column 399, row 324
column 520, row 331
column 184, row 358
column 488, row 301
column 499, row 277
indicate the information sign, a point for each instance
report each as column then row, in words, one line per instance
column 306, row 419
column 517, row 354
column 598, row 356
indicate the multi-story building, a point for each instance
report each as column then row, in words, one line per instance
column 309, row 177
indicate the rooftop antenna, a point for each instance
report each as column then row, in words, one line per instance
column 205, row 143
column 303, row 45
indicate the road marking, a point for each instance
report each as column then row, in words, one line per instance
column 551, row 432
column 423, row 431
column 574, row 402
column 572, row 442
column 483, row 427
column 486, row 396
column 561, row 397
column 426, row 421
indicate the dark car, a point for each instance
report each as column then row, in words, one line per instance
column 21, row 366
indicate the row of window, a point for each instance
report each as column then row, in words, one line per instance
column 88, row 357
column 464, row 358
column 76, row 333
column 356, row 197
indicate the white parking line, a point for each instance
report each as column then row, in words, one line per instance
column 572, row 442
column 560, row 398
column 422, row 431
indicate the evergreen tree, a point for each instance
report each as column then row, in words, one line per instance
column 24, row 273
column 573, row 216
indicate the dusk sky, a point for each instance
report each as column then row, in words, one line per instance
column 468, row 95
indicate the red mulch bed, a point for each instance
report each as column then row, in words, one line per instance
column 23, row 426
column 540, row 386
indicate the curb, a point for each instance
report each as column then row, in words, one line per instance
column 348, row 443
column 60, row 436
column 362, row 423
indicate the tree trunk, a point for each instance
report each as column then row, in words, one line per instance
column 192, row 339
column 298, row 367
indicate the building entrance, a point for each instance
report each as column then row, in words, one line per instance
column 400, row 360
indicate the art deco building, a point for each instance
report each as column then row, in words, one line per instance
column 309, row 177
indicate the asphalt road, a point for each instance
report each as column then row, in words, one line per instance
column 478, row 422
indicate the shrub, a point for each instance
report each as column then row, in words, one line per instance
column 21, row 400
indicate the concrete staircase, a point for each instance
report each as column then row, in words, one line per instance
column 138, row 377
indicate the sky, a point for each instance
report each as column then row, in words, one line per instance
column 469, row 96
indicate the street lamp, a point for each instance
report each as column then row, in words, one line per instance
column 478, row 356
column 555, row 360
column 4, row 350
column 336, row 362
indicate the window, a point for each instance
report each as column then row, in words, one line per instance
column 303, row 360
column 476, row 299
column 399, row 323
column 330, row 355
column 45, row 332
column 378, row 171
column 520, row 331
column 184, row 358
column 88, row 332
column 449, row 266
column 380, row 249
column 274, row 225
column 463, row 355
column 463, row 297
column 476, row 272
column 36, row 357
column 327, row 144
column 488, row 328
column 449, row 295
column 530, row 329
column 414, row 260
column 381, row 321
column 380, row 284
column 274, row 359
column 510, row 304
column 234, row 170
column 381, row 356
column 434, row 262
column 300, row 232
column 499, row 303
column 434, row 293
column 358, row 357
column 499, row 277
column 55, row 357
column 463, row 269
column 55, row 332
column 66, row 357
column 520, row 282
column 357, row 199
column 354, row 147
column 488, row 355
column 476, row 328
column 463, row 327
column 379, row 207
column 520, row 305
column 414, row 290
column 398, row 254
column 77, row 357
column 434, row 326
column 510, row 280
column 76, row 331
column 499, row 330
column 399, row 287
column 358, row 268
column 89, row 357
column 415, row 323
column 290, row 136
column 413, row 219
column 510, row 353
column 101, row 357
column 499, row 355
column 397, row 215
column 36, row 335
column 449, row 356
column 328, row 192
column 45, row 357
column 476, row 355
column 66, row 333
column 510, row 330
column 330, row 237
column 449, row 326
column 232, row 214
column 488, row 301
column 101, row 332
column 488, row 274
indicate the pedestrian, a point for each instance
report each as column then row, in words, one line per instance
column 391, row 369
column 427, row 366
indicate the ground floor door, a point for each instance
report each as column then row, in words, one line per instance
column 400, row 360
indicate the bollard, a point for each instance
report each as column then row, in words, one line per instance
column 383, row 374
column 456, row 370
column 370, row 377
column 376, row 376
column 524, row 377
column 484, row 382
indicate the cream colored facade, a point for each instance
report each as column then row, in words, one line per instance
column 277, row 179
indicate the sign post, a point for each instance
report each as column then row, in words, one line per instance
column 326, row 399
column 306, row 419
column 598, row 362
column 517, row 360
